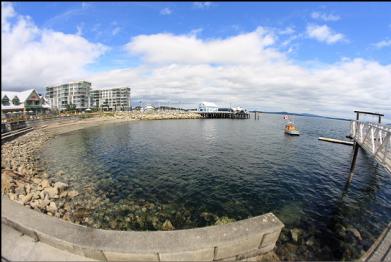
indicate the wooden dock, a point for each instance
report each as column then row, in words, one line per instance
column 375, row 139
column 381, row 249
column 332, row 140
column 230, row 115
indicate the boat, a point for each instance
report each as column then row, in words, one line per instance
column 290, row 129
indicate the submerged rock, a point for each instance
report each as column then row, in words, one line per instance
column 295, row 234
column 355, row 232
column 61, row 186
column 72, row 194
column 167, row 225
column 224, row 220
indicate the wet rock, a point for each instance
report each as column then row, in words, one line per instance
column 310, row 241
column 60, row 173
column 208, row 217
column 61, row 186
column 295, row 234
column 167, row 225
column 355, row 232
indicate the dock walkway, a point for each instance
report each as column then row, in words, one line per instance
column 375, row 139
column 381, row 249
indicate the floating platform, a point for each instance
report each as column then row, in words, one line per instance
column 231, row 115
column 337, row 141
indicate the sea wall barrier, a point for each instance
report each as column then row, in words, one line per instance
column 233, row 241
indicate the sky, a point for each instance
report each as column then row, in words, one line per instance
column 327, row 58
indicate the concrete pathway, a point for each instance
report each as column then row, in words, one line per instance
column 18, row 247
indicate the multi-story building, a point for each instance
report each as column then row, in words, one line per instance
column 71, row 95
column 114, row 99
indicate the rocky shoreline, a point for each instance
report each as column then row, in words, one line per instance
column 25, row 181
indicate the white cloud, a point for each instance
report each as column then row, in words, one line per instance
column 35, row 57
column 325, row 17
column 245, row 48
column 325, row 34
column 241, row 70
column 383, row 43
column 166, row 11
column 287, row 31
column 201, row 5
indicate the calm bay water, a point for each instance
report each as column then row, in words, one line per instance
column 194, row 172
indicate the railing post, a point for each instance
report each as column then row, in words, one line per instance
column 352, row 165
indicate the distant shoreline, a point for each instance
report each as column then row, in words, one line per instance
column 304, row 114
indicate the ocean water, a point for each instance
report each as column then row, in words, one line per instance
column 195, row 172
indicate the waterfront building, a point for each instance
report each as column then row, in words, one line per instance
column 113, row 99
column 28, row 101
column 71, row 95
column 207, row 107
column 148, row 108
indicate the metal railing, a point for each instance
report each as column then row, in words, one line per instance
column 375, row 139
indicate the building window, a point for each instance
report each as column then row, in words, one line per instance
column 16, row 101
column 5, row 101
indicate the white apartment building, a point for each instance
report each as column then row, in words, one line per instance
column 113, row 99
column 75, row 94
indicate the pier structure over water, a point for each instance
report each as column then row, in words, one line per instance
column 219, row 114
column 374, row 138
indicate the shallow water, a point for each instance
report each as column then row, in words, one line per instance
column 193, row 172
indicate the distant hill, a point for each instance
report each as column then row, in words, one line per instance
column 303, row 114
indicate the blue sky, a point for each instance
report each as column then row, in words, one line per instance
column 363, row 23
column 187, row 45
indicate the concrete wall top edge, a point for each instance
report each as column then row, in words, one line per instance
column 58, row 230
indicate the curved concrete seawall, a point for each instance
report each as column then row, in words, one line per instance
column 245, row 238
